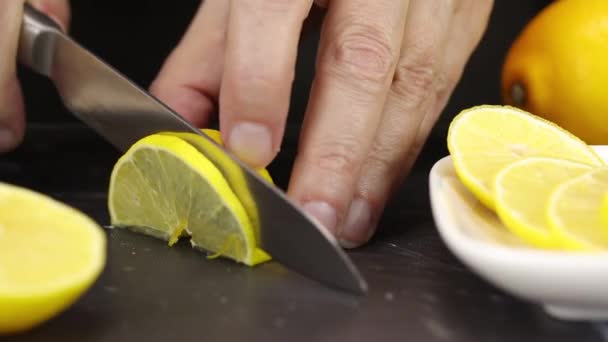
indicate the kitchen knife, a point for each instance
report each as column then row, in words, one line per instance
column 121, row 112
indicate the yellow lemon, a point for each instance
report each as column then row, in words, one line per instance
column 483, row 140
column 574, row 211
column 164, row 187
column 50, row 254
column 557, row 68
column 522, row 190
column 604, row 209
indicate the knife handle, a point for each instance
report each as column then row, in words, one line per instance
column 36, row 40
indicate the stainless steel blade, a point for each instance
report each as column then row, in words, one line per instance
column 123, row 113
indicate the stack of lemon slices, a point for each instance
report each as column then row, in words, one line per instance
column 546, row 185
column 163, row 186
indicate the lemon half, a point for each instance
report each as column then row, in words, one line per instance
column 50, row 254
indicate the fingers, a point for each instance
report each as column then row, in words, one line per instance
column 459, row 46
column 358, row 52
column 432, row 58
column 58, row 10
column 12, row 123
column 190, row 78
column 12, row 112
column 259, row 70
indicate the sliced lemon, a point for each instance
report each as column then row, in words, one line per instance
column 522, row 190
column 484, row 139
column 50, row 254
column 604, row 209
column 164, row 187
column 233, row 174
column 574, row 211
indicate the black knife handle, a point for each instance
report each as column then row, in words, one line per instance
column 36, row 41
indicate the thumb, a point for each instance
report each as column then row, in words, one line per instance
column 11, row 101
column 12, row 111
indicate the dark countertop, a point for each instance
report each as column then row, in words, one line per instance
column 150, row 292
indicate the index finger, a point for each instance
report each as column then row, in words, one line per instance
column 259, row 69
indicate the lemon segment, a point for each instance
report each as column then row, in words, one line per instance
column 574, row 211
column 164, row 187
column 484, row 139
column 522, row 191
column 50, row 254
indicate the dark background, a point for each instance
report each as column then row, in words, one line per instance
column 148, row 292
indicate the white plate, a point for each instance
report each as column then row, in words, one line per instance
column 568, row 285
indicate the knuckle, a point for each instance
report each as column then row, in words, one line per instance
column 338, row 158
column 381, row 158
column 416, row 75
column 362, row 51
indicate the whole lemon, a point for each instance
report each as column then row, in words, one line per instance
column 557, row 68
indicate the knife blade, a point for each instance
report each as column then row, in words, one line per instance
column 122, row 112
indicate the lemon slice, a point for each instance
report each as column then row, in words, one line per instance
column 574, row 211
column 164, row 187
column 604, row 210
column 50, row 254
column 233, row 174
column 484, row 139
column 522, row 190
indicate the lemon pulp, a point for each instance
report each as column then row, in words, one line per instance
column 50, row 254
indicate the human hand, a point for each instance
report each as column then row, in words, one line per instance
column 385, row 71
column 12, row 111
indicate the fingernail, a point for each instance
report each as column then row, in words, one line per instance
column 324, row 213
column 357, row 227
column 252, row 143
column 7, row 139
